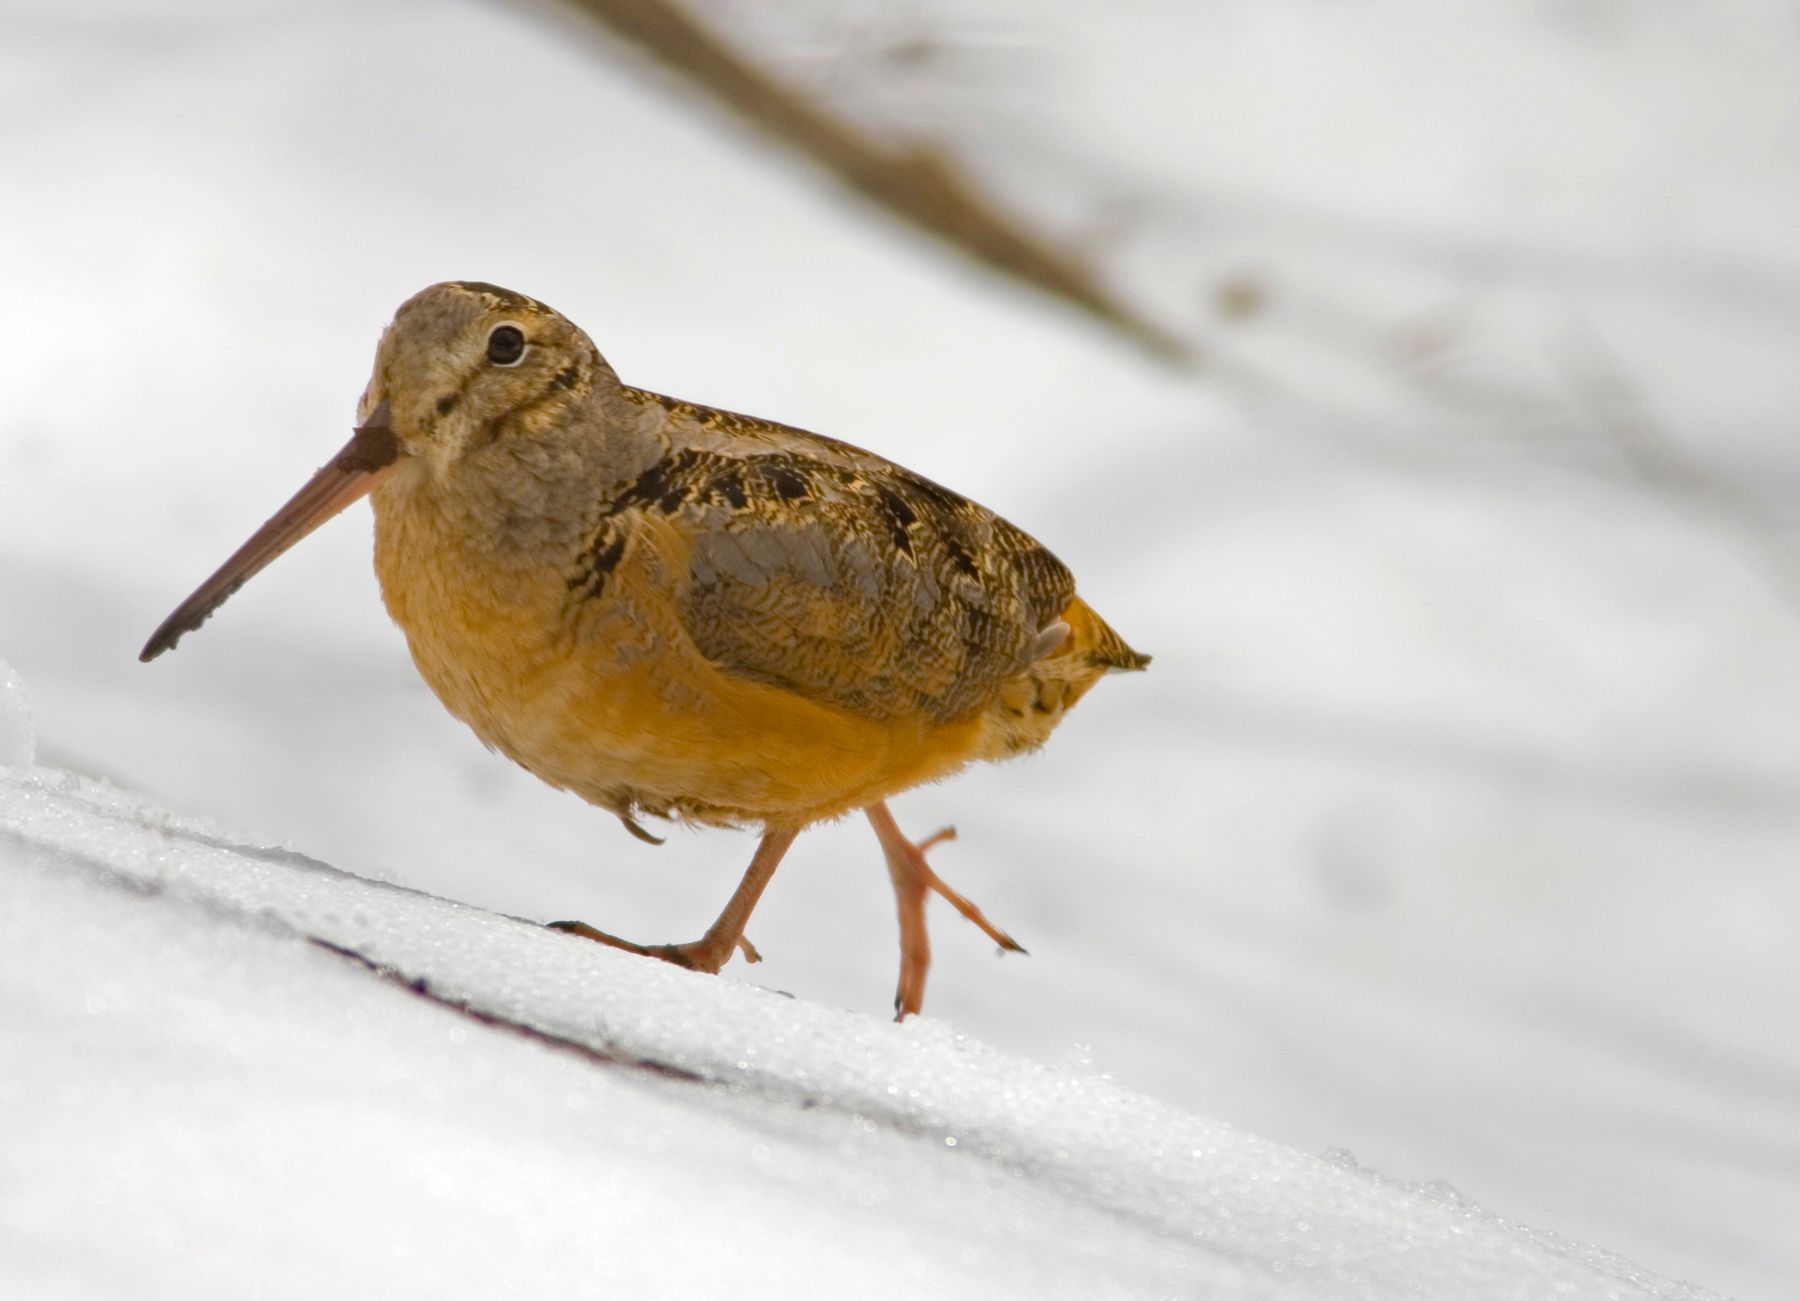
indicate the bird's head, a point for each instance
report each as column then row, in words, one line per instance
column 463, row 365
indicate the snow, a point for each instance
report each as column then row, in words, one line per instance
column 186, row 1068
column 1453, row 826
column 18, row 744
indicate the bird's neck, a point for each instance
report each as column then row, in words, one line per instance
column 530, row 495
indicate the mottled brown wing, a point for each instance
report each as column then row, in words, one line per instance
column 823, row 569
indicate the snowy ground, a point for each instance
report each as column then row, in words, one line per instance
column 474, row 1106
column 1454, row 826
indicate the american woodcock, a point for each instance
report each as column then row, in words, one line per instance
column 681, row 612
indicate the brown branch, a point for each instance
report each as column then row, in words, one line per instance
column 916, row 182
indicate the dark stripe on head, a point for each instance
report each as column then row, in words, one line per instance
column 506, row 298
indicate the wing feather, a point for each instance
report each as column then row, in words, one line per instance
column 825, row 570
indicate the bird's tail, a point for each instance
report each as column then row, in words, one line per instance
column 1092, row 639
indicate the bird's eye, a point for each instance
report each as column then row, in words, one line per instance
column 506, row 345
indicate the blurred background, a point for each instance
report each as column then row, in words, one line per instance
column 1416, row 382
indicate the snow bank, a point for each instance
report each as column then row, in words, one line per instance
column 18, row 743
column 240, row 1071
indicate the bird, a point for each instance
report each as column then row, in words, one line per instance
column 680, row 612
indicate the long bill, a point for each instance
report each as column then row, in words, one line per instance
column 369, row 457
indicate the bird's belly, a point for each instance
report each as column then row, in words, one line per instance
column 698, row 743
column 613, row 702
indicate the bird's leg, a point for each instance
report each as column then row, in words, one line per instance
column 913, row 879
column 726, row 935
column 907, row 867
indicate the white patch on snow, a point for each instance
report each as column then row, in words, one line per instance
column 18, row 741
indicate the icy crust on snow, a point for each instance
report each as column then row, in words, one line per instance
column 187, row 1067
column 18, row 742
